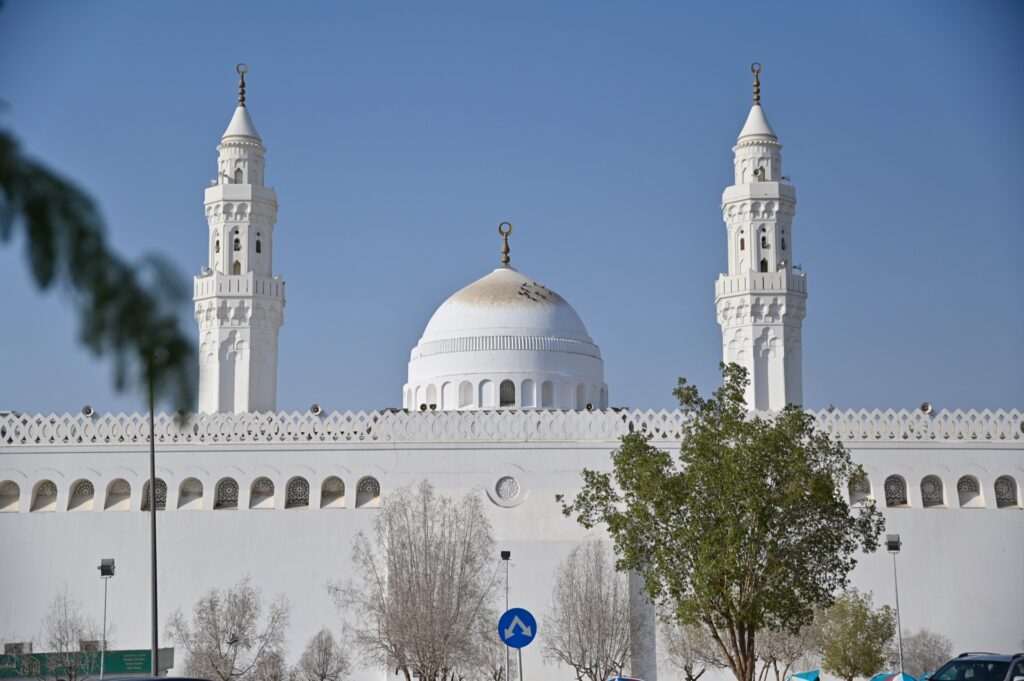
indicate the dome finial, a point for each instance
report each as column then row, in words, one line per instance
column 755, row 68
column 504, row 247
column 242, row 69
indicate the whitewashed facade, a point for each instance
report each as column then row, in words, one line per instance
column 505, row 399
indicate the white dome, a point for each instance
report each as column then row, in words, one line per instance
column 505, row 303
column 505, row 341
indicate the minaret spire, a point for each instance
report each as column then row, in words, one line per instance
column 505, row 260
column 761, row 301
column 242, row 69
column 755, row 68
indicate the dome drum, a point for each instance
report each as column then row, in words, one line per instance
column 504, row 391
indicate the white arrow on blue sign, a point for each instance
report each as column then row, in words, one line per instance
column 517, row 628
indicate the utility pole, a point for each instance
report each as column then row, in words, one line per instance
column 152, row 524
column 893, row 544
column 505, row 556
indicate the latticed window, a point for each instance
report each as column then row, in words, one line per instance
column 931, row 491
column 967, row 485
column 227, row 494
column 895, row 491
column 120, row 487
column 83, row 489
column 263, row 486
column 860, row 489
column 969, row 491
column 1006, row 492
column 46, row 489
column 332, row 493
column 368, row 492
column 507, row 394
column 161, row 495
column 297, row 495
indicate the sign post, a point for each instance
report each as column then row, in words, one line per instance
column 517, row 628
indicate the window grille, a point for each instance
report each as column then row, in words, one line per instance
column 227, row 494
column 931, row 491
column 297, row 494
column 1006, row 492
column 895, row 491
column 161, row 495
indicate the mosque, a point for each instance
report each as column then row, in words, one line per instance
column 505, row 398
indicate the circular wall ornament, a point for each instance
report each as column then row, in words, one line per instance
column 507, row 488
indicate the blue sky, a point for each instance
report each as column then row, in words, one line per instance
column 400, row 134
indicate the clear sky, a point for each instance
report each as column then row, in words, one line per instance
column 400, row 134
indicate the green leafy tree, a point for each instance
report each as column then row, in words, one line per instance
column 126, row 311
column 745, row 530
column 856, row 639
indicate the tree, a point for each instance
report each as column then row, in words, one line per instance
column 71, row 638
column 781, row 650
column 746, row 530
column 422, row 580
column 490, row 659
column 126, row 311
column 587, row 627
column 324, row 659
column 855, row 639
column 228, row 637
column 925, row 651
column 690, row 649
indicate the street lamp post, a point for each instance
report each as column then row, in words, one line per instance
column 106, row 569
column 505, row 556
column 893, row 544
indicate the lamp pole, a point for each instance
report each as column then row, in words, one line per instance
column 505, row 556
column 152, row 525
column 106, row 569
column 893, row 544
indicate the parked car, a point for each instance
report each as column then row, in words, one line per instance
column 981, row 667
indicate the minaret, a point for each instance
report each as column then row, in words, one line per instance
column 239, row 303
column 761, row 301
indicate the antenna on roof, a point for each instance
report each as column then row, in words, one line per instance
column 504, row 247
column 755, row 68
column 242, row 69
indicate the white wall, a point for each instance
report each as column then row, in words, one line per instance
column 961, row 570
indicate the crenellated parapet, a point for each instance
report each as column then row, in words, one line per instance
column 389, row 426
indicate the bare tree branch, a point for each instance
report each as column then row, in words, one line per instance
column 226, row 641
column 587, row 627
column 422, row 580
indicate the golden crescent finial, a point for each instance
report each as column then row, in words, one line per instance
column 755, row 68
column 241, row 70
column 504, row 246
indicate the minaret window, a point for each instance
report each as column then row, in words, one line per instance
column 764, row 242
column 238, row 244
column 743, row 244
column 237, row 267
column 238, row 176
column 783, row 243
column 259, row 246
column 216, row 246
column 764, row 264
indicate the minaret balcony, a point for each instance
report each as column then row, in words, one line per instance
column 217, row 284
column 754, row 282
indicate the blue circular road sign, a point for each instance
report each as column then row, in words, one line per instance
column 517, row 628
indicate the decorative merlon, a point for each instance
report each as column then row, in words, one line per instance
column 22, row 430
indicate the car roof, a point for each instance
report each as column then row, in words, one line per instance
column 986, row 657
